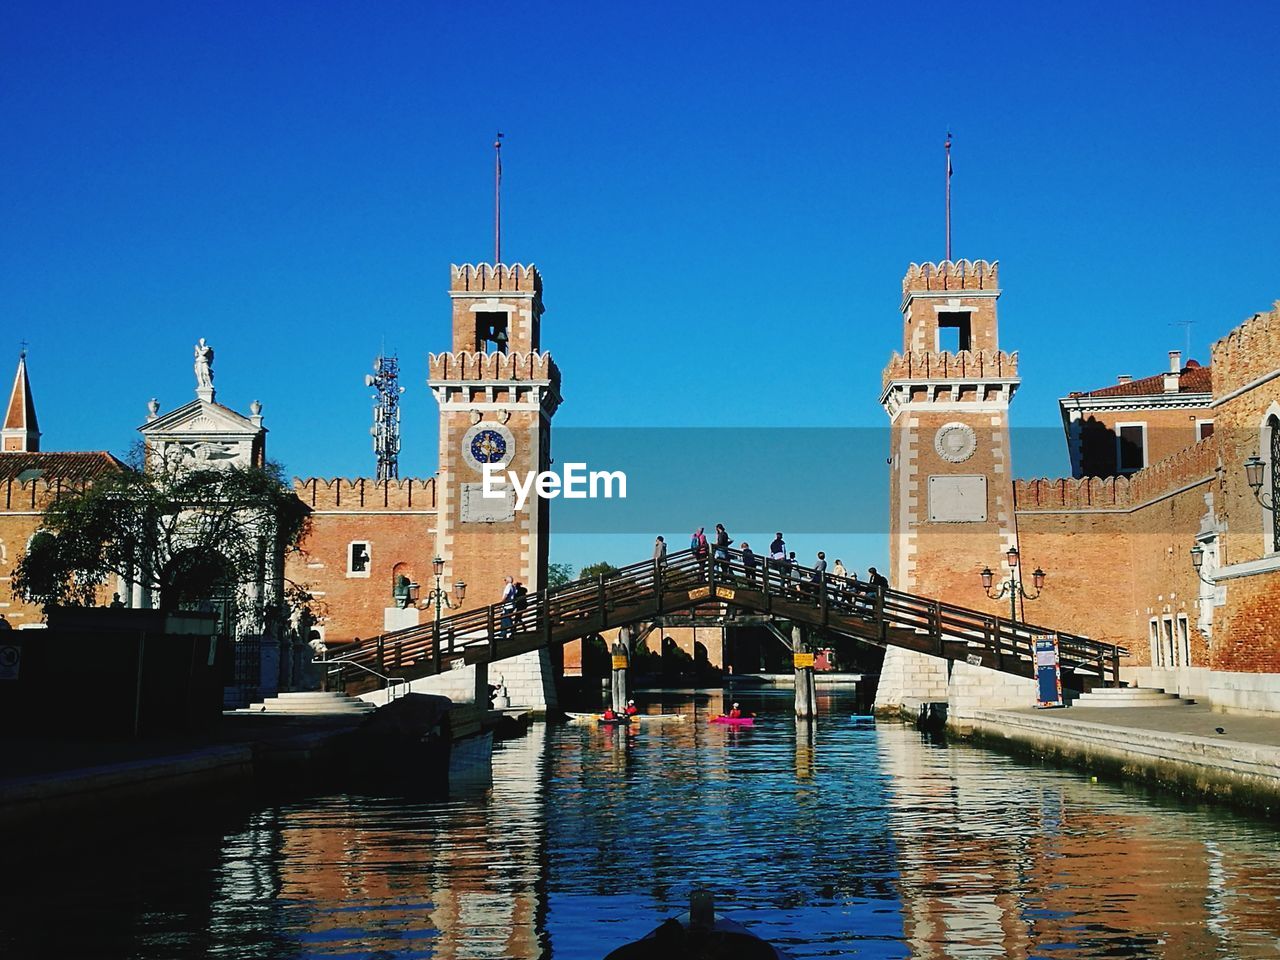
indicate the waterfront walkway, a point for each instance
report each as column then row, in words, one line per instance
column 1178, row 748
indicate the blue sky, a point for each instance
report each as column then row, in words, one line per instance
column 722, row 199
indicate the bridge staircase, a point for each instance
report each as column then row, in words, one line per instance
column 641, row 592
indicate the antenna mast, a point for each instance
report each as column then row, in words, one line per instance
column 386, row 415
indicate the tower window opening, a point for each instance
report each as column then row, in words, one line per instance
column 1131, row 447
column 492, row 328
column 954, row 332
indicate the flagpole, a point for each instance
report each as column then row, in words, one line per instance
column 948, row 146
column 497, row 200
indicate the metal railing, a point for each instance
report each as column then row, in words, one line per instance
column 389, row 683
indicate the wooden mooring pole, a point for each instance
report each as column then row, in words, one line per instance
column 806, row 689
column 621, row 654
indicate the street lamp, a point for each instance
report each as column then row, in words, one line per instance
column 1197, row 561
column 1254, row 469
column 1014, row 586
column 439, row 596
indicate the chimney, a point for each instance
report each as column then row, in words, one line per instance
column 1124, row 378
column 1175, row 369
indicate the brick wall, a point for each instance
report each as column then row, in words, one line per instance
column 397, row 519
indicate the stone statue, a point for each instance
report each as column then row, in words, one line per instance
column 204, row 365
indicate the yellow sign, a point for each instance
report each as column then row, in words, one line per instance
column 699, row 593
column 724, row 592
column 802, row 660
column 619, row 661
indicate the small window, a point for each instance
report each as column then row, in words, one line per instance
column 358, row 559
column 954, row 332
column 492, row 332
column 1204, row 429
column 1131, row 447
column 1155, row 642
column 1168, row 648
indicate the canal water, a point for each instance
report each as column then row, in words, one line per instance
column 837, row 839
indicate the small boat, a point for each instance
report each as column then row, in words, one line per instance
column 619, row 721
column 645, row 717
column 699, row 934
column 734, row 721
column 862, row 718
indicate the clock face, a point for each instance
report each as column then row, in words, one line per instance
column 486, row 443
column 488, row 446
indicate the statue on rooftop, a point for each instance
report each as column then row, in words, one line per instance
column 204, row 365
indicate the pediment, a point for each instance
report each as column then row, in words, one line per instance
column 200, row 418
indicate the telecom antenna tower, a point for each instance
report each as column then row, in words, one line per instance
column 385, row 379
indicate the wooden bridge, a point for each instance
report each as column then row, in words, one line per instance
column 643, row 591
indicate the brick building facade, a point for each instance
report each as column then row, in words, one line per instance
column 1117, row 546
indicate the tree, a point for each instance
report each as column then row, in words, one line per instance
column 179, row 531
column 595, row 569
column 558, row 574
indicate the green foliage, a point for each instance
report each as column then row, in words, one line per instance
column 558, row 574
column 595, row 569
column 183, row 531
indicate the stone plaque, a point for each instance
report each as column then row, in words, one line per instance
column 477, row 508
column 957, row 499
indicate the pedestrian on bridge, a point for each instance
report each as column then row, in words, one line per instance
column 659, row 551
column 748, row 561
column 701, row 552
column 778, row 549
column 722, row 547
column 877, row 579
column 508, row 608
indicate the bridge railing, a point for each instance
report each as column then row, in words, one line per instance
column 595, row 601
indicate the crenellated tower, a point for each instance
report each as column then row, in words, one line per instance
column 947, row 396
column 497, row 394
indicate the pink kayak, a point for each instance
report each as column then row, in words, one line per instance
column 734, row 721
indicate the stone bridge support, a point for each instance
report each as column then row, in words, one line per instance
column 909, row 679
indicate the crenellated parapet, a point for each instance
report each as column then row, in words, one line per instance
column 365, row 493
column 943, row 365
column 1248, row 352
column 488, row 278
column 36, row 495
column 952, row 275
column 493, row 366
column 1171, row 475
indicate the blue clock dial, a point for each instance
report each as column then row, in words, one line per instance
column 488, row 446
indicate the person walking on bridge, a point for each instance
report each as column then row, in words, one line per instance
column 701, row 552
column 659, row 551
column 778, row 549
column 722, row 547
column 748, row 561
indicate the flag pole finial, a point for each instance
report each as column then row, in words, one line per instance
column 497, row 199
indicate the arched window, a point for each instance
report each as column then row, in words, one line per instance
column 1273, row 432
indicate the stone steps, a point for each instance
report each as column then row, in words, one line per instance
column 1129, row 697
column 311, row 705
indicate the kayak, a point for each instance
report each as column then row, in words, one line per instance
column 615, row 722
column 734, row 721
column 647, row 717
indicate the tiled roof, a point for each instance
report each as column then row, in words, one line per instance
column 74, row 467
column 1194, row 379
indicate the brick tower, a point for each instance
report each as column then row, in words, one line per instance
column 497, row 394
column 947, row 396
column 21, row 433
column 950, row 491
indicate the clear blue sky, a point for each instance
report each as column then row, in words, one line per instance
column 722, row 199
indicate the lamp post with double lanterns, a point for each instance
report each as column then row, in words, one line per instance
column 441, row 598
column 1014, row 586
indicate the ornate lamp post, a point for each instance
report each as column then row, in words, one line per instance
column 1254, row 469
column 1014, row 586
column 1197, row 561
column 439, row 596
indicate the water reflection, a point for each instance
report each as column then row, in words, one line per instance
column 833, row 838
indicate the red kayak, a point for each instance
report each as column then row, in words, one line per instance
column 734, row 721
